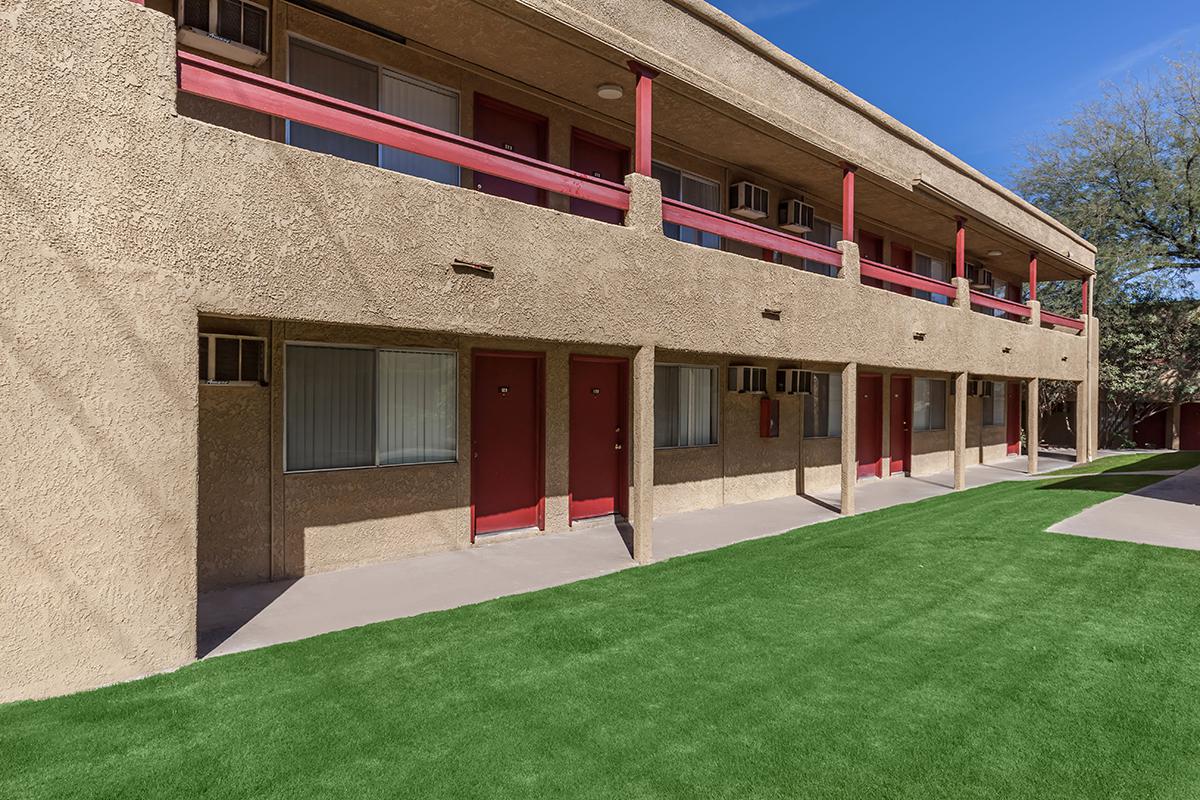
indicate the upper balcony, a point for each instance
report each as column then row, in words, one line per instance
column 756, row 154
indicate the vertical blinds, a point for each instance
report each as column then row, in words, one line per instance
column 685, row 412
column 355, row 407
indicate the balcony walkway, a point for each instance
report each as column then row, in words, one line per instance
column 249, row 617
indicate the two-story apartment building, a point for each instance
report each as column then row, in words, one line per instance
column 295, row 286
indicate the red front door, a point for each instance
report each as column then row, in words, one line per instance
column 517, row 131
column 598, row 431
column 902, row 258
column 600, row 158
column 1189, row 426
column 901, row 424
column 1014, row 418
column 870, row 426
column 506, row 441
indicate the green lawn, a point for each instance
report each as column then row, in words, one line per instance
column 1137, row 461
column 946, row 649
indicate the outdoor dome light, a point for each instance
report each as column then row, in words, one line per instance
column 995, row 253
column 610, row 91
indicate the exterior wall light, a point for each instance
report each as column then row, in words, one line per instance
column 772, row 313
column 995, row 253
column 610, row 91
column 918, row 336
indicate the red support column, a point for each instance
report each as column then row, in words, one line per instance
column 643, row 125
column 960, row 248
column 1033, row 275
column 848, row 230
column 1086, row 281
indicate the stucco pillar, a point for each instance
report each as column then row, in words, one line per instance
column 851, row 265
column 960, row 430
column 641, row 439
column 849, row 434
column 645, row 203
column 1035, row 313
column 1174, row 419
column 1093, row 330
column 1082, row 422
column 1032, row 434
column 962, row 289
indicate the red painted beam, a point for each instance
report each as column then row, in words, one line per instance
column 1086, row 283
column 1065, row 322
column 721, row 225
column 960, row 248
column 643, row 159
column 848, row 230
column 216, row 81
column 1033, row 276
column 1000, row 304
column 902, row 277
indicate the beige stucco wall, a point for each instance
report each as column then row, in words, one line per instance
column 121, row 222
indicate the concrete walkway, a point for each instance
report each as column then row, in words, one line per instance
column 244, row 618
column 1166, row 514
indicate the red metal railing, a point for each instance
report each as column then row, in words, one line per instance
column 1000, row 304
column 1065, row 322
column 711, row 222
column 911, row 280
column 216, row 81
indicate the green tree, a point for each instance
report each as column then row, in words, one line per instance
column 1125, row 172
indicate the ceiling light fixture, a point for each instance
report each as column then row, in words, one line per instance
column 610, row 91
column 995, row 253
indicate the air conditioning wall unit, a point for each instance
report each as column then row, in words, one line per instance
column 746, row 379
column 791, row 380
column 749, row 200
column 796, row 216
column 228, row 360
column 972, row 388
column 979, row 277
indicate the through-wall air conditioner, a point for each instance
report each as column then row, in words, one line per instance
column 796, row 216
column 979, row 277
column 748, row 200
column 790, row 380
column 232, row 29
column 745, row 379
column 227, row 360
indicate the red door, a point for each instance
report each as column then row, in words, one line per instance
column 1151, row 432
column 1013, row 417
column 506, row 441
column 596, row 156
column 517, row 131
column 870, row 247
column 1189, row 426
column 901, row 424
column 598, row 431
column 870, row 426
column 902, row 257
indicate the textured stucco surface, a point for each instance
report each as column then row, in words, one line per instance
column 121, row 222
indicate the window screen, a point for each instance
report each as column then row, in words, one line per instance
column 195, row 13
column 417, row 404
column 929, row 405
column 338, row 76
column 329, row 410
column 823, row 407
column 685, row 406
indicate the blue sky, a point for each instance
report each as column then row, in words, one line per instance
column 981, row 78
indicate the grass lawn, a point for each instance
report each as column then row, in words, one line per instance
column 1137, row 461
column 946, row 649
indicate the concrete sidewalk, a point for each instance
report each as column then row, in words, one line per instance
column 1166, row 514
column 244, row 618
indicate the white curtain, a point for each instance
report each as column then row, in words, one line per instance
column 684, row 409
column 417, row 404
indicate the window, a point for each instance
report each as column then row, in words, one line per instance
column 934, row 268
column 993, row 403
column 999, row 289
column 826, row 233
column 237, row 21
column 360, row 407
column 685, row 406
column 929, row 405
column 365, row 84
column 691, row 189
column 823, row 407
column 233, row 360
